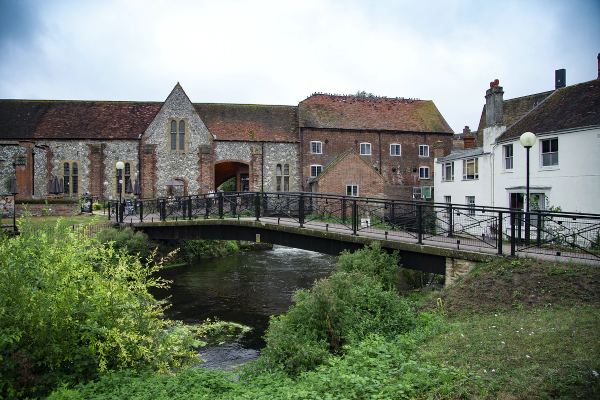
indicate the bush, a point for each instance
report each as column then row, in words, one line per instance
column 72, row 308
column 135, row 244
column 341, row 309
column 96, row 206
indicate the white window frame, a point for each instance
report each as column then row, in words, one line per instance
column 508, row 160
column 317, row 168
column 422, row 192
column 445, row 177
column 470, row 202
column 542, row 153
column 363, row 149
column 395, row 149
column 475, row 162
column 423, row 150
column 424, row 173
column 316, row 147
column 352, row 190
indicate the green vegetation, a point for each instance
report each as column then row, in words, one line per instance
column 511, row 329
column 73, row 308
column 228, row 186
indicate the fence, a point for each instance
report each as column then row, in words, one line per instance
column 499, row 230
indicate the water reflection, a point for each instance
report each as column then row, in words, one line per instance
column 245, row 288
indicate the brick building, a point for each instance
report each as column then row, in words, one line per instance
column 200, row 146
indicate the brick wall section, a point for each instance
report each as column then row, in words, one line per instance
column 148, row 171
column 96, row 161
column 406, row 165
column 48, row 209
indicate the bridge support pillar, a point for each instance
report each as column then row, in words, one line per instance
column 456, row 267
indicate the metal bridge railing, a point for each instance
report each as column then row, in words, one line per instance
column 499, row 230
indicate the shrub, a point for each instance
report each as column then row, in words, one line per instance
column 96, row 206
column 125, row 239
column 72, row 308
column 372, row 261
column 360, row 298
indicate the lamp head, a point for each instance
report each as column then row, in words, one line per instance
column 528, row 139
column 120, row 165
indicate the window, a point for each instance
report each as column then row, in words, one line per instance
column 448, row 171
column 470, row 200
column 315, row 170
column 422, row 192
column 352, row 190
column 424, row 172
column 282, row 177
column 70, row 176
column 423, row 150
column 316, row 148
column 550, row 152
column 508, row 157
column 395, row 149
column 448, row 199
column 471, row 169
column 177, row 136
column 365, row 149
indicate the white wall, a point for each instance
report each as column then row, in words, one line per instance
column 459, row 189
column 574, row 184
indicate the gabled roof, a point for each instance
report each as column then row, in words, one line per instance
column 372, row 113
column 515, row 109
column 337, row 160
column 54, row 119
column 250, row 122
column 571, row 107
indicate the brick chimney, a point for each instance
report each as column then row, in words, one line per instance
column 494, row 115
column 494, row 98
column 469, row 142
column 560, row 78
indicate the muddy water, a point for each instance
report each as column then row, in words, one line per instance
column 247, row 288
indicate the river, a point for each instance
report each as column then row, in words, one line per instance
column 246, row 288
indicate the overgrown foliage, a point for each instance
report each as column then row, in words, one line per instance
column 72, row 308
column 133, row 243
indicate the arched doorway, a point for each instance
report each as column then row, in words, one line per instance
column 226, row 170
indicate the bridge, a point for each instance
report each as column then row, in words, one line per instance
column 441, row 238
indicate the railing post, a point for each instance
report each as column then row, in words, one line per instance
column 450, row 221
column 163, row 210
column 420, row 223
column 220, row 199
column 190, row 208
column 343, row 210
column 257, row 206
column 109, row 210
column 513, row 221
column 354, row 217
column 141, row 211
column 539, row 228
column 301, row 210
column 527, row 227
column 265, row 205
column 499, row 233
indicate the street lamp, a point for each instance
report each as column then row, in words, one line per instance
column 527, row 139
column 120, row 167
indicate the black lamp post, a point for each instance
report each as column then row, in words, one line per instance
column 120, row 167
column 527, row 139
column 14, row 190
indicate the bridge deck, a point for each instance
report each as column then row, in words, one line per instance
column 481, row 246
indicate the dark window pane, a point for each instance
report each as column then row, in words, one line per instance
column 127, row 169
column 66, row 169
column 286, row 169
column 279, row 184
column 75, row 185
column 173, row 126
column 286, row 183
column 75, row 169
column 66, row 184
column 181, row 126
column 182, row 141
column 173, row 141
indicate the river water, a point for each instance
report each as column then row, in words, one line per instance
column 246, row 288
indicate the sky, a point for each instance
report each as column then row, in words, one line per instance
column 280, row 52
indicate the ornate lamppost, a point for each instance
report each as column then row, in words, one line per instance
column 120, row 167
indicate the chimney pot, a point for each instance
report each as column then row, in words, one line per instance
column 560, row 76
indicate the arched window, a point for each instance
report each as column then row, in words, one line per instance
column 282, row 177
column 177, row 137
column 70, row 177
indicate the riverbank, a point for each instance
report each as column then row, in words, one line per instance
column 511, row 329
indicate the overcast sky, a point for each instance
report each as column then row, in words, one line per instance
column 280, row 52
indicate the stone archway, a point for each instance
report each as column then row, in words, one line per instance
column 226, row 170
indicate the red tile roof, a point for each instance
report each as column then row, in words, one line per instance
column 49, row 119
column 250, row 122
column 568, row 108
column 373, row 113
